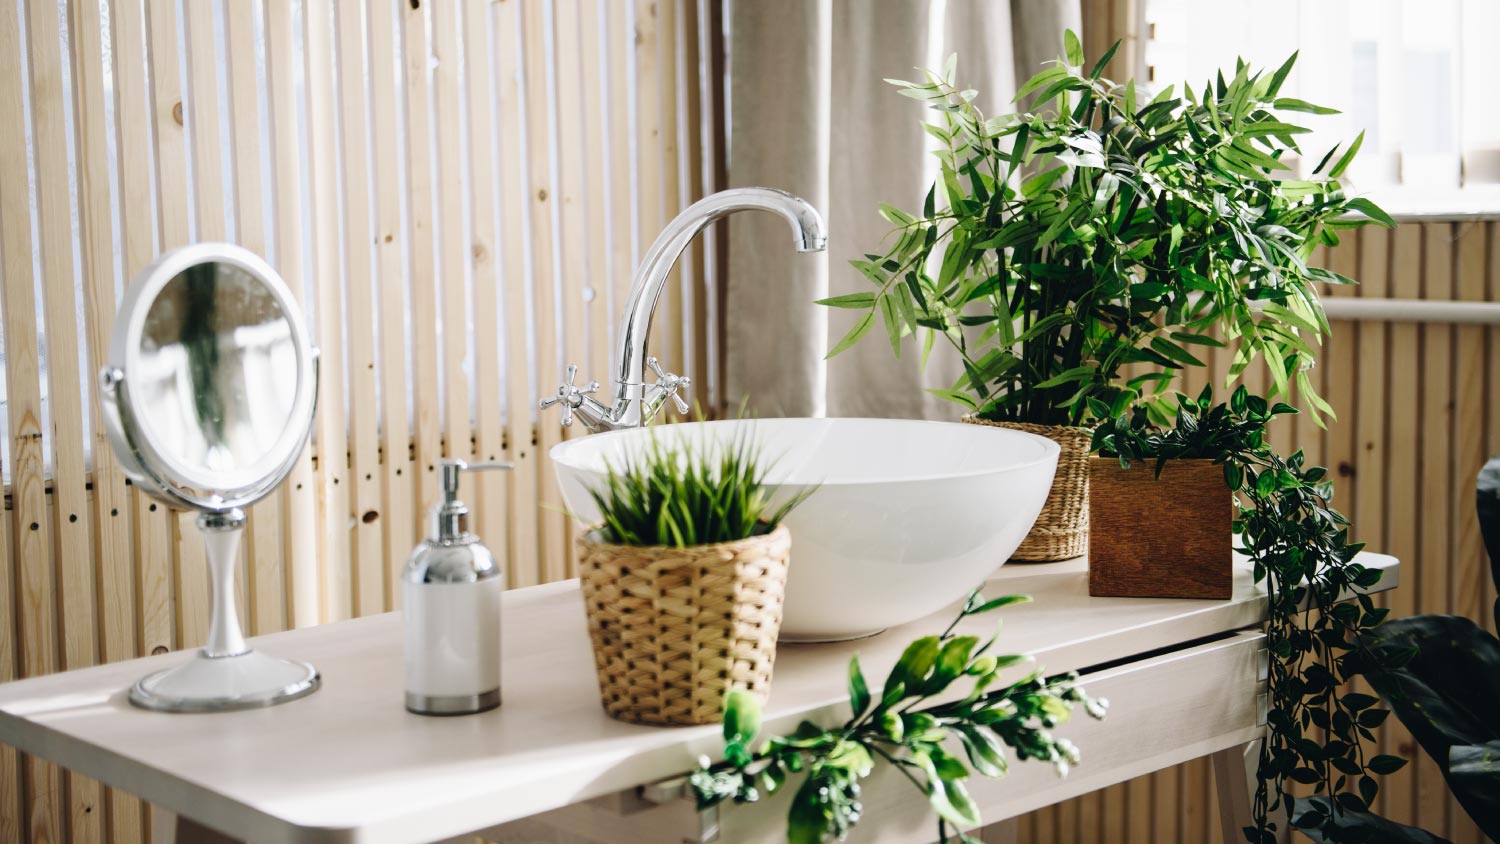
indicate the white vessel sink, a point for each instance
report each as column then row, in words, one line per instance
column 909, row 517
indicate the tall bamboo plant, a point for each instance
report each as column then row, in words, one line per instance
column 1104, row 229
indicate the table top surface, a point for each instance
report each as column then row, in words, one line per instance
column 348, row 763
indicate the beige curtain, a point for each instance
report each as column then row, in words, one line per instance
column 809, row 113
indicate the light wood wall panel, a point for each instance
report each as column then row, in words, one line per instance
column 451, row 191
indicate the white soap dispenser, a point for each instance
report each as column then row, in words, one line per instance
column 451, row 610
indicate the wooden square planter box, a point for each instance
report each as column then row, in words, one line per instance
column 1167, row 537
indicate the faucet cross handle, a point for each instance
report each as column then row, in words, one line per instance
column 667, row 386
column 572, row 397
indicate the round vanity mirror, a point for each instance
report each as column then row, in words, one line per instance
column 209, row 398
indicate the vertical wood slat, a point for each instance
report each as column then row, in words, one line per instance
column 121, row 813
column 367, row 547
column 673, row 321
column 696, row 322
column 299, row 508
column 597, row 316
column 446, row 85
column 332, row 428
column 648, row 163
column 159, row 551
column 525, row 552
column 537, row 34
column 619, row 47
column 201, row 111
column 422, row 250
column 397, row 464
column 38, row 786
column 574, row 191
column 1435, row 439
column 137, row 127
column 490, row 489
column 266, row 597
column 12, row 818
column 74, row 568
column 1400, row 509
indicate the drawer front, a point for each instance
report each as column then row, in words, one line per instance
column 1163, row 710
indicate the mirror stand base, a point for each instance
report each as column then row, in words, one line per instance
column 246, row 680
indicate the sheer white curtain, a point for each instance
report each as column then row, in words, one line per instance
column 809, row 113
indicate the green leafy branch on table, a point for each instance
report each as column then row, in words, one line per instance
column 914, row 723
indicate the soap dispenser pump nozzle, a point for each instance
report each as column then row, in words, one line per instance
column 451, row 516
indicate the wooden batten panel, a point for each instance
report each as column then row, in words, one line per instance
column 265, row 575
column 121, row 813
column 1139, row 823
column 648, row 163
column 698, row 319
column 540, row 142
column 397, row 464
column 159, row 553
column 490, row 489
column 1470, row 448
column 134, row 116
column 619, row 54
column 1371, row 420
column 12, row 818
column 1046, row 825
column 575, row 190
column 596, row 304
column 674, row 321
column 34, row 612
column 1067, row 819
column 332, row 429
column 525, row 555
column 1402, row 510
column 367, row 555
column 447, row 81
column 427, row 412
column 69, row 515
column 299, row 511
column 1429, row 588
column 202, row 113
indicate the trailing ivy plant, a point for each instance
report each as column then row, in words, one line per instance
column 904, row 725
column 1104, row 229
column 1318, row 612
column 1440, row 674
column 1200, row 430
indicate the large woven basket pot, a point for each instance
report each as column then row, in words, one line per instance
column 674, row 628
column 1062, row 530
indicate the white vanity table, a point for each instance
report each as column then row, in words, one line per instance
column 349, row 764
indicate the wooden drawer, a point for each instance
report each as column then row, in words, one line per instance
column 1164, row 710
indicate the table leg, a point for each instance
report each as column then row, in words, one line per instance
column 1234, row 779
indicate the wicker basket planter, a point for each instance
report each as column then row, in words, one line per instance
column 674, row 628
column 1167, row 537
column 1062, row 530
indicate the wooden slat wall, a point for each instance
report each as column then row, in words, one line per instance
column 450, row 189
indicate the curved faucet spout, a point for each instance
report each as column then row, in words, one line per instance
column 808, row 235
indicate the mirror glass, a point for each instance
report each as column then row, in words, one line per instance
column 217, row 370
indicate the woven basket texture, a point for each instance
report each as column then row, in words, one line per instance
column 674, row 628
column 1061, row 532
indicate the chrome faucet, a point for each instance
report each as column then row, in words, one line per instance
column 637, row 403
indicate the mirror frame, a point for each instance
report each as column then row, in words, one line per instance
column 142, row 460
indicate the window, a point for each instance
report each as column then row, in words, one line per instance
column 1410, row 73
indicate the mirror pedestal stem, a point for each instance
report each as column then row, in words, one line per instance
column 221, row 536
